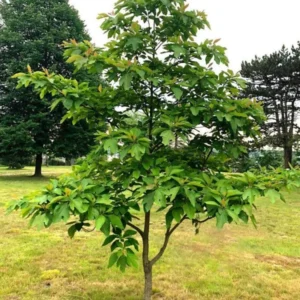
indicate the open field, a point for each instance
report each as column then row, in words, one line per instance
column 238, row 262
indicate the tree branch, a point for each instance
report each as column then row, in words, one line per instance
column 165, row 244
column 203, row 221
column 136, row 228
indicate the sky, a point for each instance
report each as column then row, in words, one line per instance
column 246, row 28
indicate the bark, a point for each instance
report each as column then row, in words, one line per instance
column 148, row 282
column 288, row 156
column 146, row 262
column 38, row 165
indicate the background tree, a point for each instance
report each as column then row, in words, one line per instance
column 32, row 32
column 275, row 81
column 159, row 73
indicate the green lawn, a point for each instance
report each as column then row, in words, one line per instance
column 237, row 262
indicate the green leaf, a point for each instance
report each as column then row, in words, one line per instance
column 106, row 227
column 222, row 218
column 61, row 212
column 126, row 81
column 116, row 221
column 148, row 201
column 234, row 217
column 129, row 233
column 250, row 194
column 113, row 259
column 141, row 73
column 189, row 210
column 167, row 136
column 178, row 50
column 127, row 194
column 116, row 244
column 136, row 174
column 177, row 212
column 100, row 222
column 68, row 103
column 273, row 195
column 55, row 103
column 195, row 111
column 160, row 198
column 109, row 239
column 166, row 2
column 137, row 151
column 104, row 200
column 173, row 192
column 169, row 218
column 134, row 42
column 191, row 196
column 72, row 230
column 122, row 263
column 177, row 92
column 132, row 260
column 102, row 16
column 212, row 203
column 244, row 217
column 112, row 145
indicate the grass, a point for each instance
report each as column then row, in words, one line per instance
column 238, row 262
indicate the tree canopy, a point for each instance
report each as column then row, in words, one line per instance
column 274, row 81
column 162, row 97
column 31, row 33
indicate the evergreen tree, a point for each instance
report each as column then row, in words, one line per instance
column 274, row 80
column 31, row 33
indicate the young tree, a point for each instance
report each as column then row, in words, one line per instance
column 31, row 32
column 274, row 80
column 163, row 92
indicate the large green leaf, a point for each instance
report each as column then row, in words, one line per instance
column 273, row 195
column 168, row 136
column 177, row 92
column 100, row 222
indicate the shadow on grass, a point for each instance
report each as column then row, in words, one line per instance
column 26, row 178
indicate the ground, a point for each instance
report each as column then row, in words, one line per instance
column 238, row 262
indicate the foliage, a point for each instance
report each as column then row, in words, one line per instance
column 15, row 153
column 32, row 32
column 274, row 79
column 155, row 70
column 256, row 159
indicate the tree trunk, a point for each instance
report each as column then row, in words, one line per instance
column 148, row 282
column 38, row 165
column 288, row 156
column 146, row 262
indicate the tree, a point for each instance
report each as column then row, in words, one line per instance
column 32, row 32
column 274, row 80
column 162, row 92
column 15, row 153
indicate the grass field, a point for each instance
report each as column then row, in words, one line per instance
column 238, row 262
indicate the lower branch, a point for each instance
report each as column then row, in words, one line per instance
column 203, row 221
column 136, row 228
column 165, row 244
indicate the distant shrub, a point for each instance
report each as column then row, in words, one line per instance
column 254, row 160
column 56, row 162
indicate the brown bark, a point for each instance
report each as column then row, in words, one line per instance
column 148, row 282
column 288, row 156
column 146, row 262
column 38, row 165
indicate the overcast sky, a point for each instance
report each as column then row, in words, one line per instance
column 246, row 28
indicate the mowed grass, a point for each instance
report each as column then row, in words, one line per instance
column 238, row 262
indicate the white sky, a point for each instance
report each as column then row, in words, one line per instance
column 246, row 27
